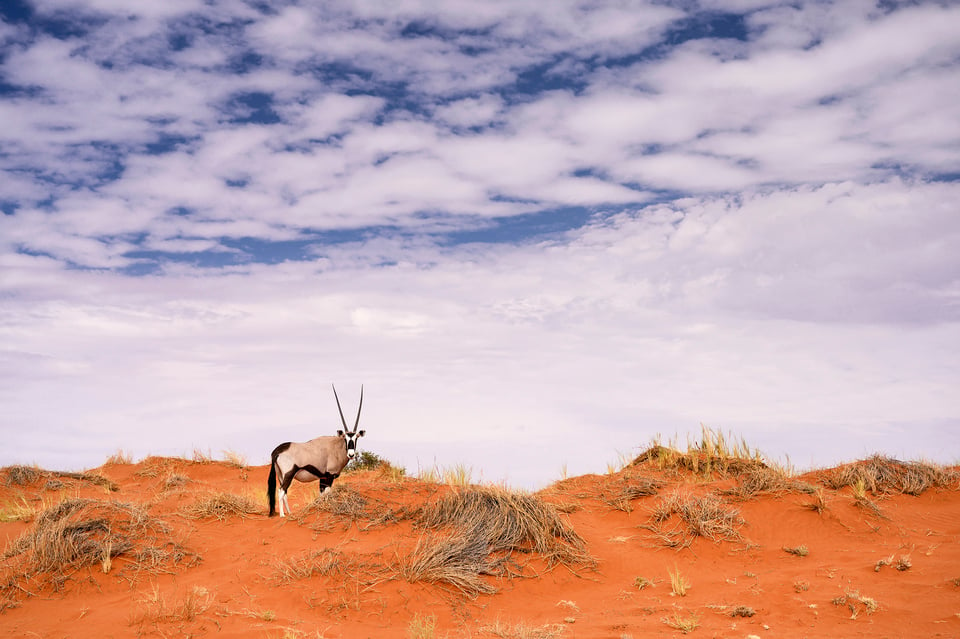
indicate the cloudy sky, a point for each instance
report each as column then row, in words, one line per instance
column 537, row 233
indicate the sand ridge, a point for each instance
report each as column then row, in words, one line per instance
column 805, row 557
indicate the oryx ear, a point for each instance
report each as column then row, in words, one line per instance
column 361, row 433
column 339, row 433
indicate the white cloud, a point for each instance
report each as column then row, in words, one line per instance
column 753, row 263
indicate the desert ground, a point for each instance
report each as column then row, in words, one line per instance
column 708, row 541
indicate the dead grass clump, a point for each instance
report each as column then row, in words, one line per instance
column 763, row 480
column 22, row 475
column 175, row 480
column 452, row 559
column 509, row 521
column 630, row 490
column 857, row 603
column 155, row 610
column 714, row 454
column 328, row 561
column 220, row 506
column 345, row 505
column 478, row 531
column 884, row 475
column 522, row 630
column 681, row 517
column 119, row 457
column 82, row 533
column 154, row 466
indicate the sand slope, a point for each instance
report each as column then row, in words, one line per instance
column 886, row 565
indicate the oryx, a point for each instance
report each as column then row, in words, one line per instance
column 319, row 459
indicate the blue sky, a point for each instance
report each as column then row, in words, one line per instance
column 539, row 233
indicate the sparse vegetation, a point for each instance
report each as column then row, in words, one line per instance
column 678, row 583
column 234, row 459
column 882, row 475
column 630, row 489
column 365, row 460
column 681, row 517
column 345, row 505
column 762, row 480
column 175, row 480
column 714, row 454
column 201, row 457
column 683, row 623
column 328, row 561
column 220, row 506
column 509, row 521
column 22, row 475
column 479, row 529
column 26, row 475
column 80, row 533
column 458, row 475
column 120, row 457
column 857, row 603
column 522, row 630
column 17, row 510
column 422, row 626
column 642, row 583
column 155, row 610
column 901, row 563
column 819, row 502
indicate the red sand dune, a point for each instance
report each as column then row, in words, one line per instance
column 887, row 567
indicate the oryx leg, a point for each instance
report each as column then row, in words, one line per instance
column 325, row 479
column 285, row 482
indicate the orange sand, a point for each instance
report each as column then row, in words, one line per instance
column 237, row 592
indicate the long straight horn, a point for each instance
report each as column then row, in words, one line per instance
column 344, row 421
column 357, row 423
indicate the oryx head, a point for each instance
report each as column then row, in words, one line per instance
column 351, row 437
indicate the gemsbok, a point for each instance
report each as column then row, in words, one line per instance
column 319, row 459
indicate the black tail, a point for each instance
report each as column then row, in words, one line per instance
column 272, row 486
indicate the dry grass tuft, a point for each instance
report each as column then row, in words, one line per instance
column 681, row 517
column 221, row 506
column 857, row 603
column 83, row 533
column 684, row 624
column 422, row 627
column 629, row 490
column 119, row 457
column 175, row 480
column 819, row 502
column 884, row 475
column 452, row 559
column 902, row 563
column 155, row 610
column 509, row 521
column 678, row 583
column 714, row 454
column 522, row 630
column 325, row 562
column 234, row 459
column 479, row 530
column 154, row 466
column 22, row 475
column 763, row 480
column 25, row 475
column 345, row 505
column 19, row 510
